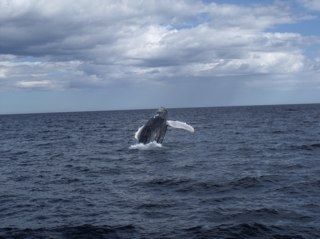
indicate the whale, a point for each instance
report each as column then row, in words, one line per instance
column 155, row 128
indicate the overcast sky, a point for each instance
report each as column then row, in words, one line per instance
column 75, row 55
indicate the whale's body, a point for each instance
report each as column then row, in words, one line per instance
column 156, row 127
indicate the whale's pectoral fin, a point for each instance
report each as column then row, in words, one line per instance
column 180, row 125
column 137, row 134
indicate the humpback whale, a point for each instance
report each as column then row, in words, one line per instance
column 156, row 127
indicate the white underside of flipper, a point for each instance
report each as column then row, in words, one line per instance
column 179, row 125
column 137, row 134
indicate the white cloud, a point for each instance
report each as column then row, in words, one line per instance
column 35, row 84
column 249, row 17
column 3, row 73
column 313, row 5
column 97, row 43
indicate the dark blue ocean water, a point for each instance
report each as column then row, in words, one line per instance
column 247, row 172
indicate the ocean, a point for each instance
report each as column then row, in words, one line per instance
column 246, row 172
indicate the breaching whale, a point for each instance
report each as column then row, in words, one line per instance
column 156, row 127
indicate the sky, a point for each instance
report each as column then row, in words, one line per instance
column 80, row 55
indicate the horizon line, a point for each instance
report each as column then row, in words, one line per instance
column 135, row 109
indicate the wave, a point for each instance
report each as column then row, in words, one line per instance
column 236, row 184
column 308, row 147
column 223, row 231
column 251, row 230
column 149, row 146
column 167, row 182
column 243, row 230
column 66, row 232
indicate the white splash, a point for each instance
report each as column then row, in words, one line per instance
column 180, row 125
column 149, row 146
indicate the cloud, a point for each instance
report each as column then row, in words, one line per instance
column 35, row 84
column 98, row 43
column 313, row 5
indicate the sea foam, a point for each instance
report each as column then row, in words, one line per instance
column 149, row 146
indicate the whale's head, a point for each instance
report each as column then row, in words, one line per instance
column 162, row 112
